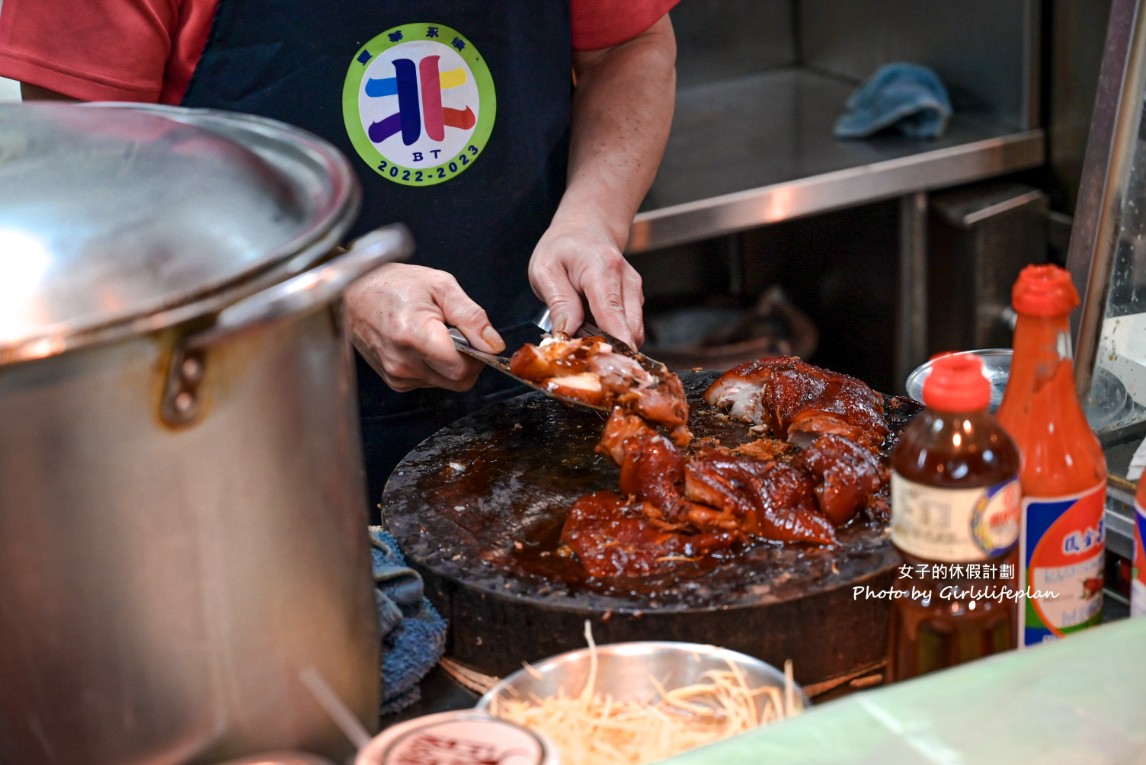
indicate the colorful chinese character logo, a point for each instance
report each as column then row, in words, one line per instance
column 419, row 104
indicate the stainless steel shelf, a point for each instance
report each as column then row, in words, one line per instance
column 759, row 149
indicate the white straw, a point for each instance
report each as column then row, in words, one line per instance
column 328, row 700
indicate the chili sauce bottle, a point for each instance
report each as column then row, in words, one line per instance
column 1063, row 475
column 1138, row 568
column 955, row 520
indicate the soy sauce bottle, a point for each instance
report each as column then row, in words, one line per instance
column 1063, row 473
column 955, row 521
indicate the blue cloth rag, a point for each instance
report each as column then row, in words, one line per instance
column 906, row 97
column 413, row 632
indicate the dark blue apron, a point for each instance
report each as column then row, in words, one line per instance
column 477, row 207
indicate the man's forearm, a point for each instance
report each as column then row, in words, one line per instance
column 622, row 109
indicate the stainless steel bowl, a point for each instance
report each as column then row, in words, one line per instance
column 996, row 367
column 626, row 672
column 1105, row 405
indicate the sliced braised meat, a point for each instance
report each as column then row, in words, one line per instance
column 765, row 448
column 821, row 469
column 652, row 467
column 591, row 370
column 774, row 499
column 613, row 536
column 849, row 477
column 780, row 392
column 715, row 490
column 653, row 471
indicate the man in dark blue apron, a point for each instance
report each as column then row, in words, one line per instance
column 462, row 121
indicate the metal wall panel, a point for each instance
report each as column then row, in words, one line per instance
column 980, row 237
column 718, row 39
column 985, row 51
column 1076, row 37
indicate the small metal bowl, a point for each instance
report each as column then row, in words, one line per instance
column 626, row 672
column 996, row 367
column 1106, row 404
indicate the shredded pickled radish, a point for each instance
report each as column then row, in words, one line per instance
column 593, row 727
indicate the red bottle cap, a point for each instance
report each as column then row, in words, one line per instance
column 957, row 384
column 1045, row 290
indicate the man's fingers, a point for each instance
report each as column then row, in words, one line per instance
column 442, row 365
column 431, row 379
column 460, row 311
column 605, row 293
column 634, row 299
column 446, row 366
column 568, row 274
column 564, row 303
column 398, row 317
column 433, row 362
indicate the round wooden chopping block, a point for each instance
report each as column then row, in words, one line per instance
column 478, row 509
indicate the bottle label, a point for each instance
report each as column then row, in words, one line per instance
column 1061, row 560
column 1138, row 574
column 953, row 525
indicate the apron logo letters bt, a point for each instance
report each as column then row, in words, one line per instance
column 419, row 104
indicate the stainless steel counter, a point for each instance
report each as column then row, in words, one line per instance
column 759, row 149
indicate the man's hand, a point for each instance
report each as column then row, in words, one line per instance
column 398, row 316
column 622, row 108
column 568, row 263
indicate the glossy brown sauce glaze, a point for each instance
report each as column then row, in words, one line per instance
column 484, row 500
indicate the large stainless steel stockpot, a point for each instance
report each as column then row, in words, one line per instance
column 182, row 510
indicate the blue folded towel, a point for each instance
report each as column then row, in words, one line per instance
column 413, row 632
column 906, row 97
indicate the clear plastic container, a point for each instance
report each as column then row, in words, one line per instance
column 463, row 736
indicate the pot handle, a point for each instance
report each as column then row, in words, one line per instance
column 310, row 289
column 298, row 294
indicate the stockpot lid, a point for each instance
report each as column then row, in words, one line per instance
column 118, row 219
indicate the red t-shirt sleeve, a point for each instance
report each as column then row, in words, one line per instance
column 105, row 50
column 146, row 50
column 604, row 23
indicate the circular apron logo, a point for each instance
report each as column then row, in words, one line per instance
column 419, row 104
